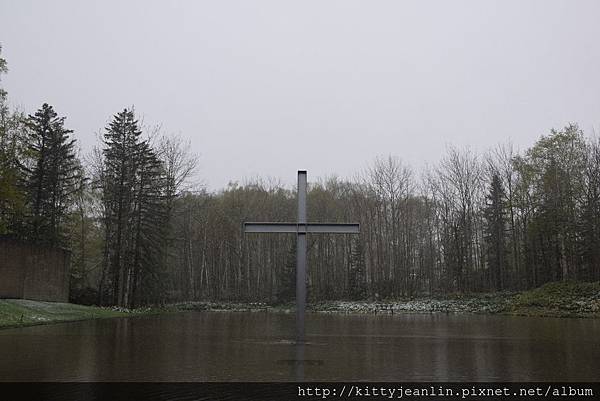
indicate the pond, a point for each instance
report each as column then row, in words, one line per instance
column 258, row 346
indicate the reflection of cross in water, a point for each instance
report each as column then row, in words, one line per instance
column 300, row 228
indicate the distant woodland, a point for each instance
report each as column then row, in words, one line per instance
column 141, row 232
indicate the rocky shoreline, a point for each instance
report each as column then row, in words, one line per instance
column 564, row 299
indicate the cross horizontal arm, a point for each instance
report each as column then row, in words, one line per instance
column 270, row 227
column 335, row 228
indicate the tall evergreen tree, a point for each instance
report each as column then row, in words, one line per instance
column 495, row 236
column 133, row 188
column 147, row 277
column 357, row 288
column 51, row 175
column 121, row 148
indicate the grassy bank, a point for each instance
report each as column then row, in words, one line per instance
column 23, row 312
column 561, row 299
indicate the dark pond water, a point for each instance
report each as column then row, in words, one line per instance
column 256, row 346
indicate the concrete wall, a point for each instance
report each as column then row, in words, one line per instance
column 33, row 271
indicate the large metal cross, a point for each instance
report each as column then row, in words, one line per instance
column 301, row 228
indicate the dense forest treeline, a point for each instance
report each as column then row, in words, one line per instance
column 140, row 233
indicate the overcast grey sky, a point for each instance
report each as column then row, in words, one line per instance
column 268, row 87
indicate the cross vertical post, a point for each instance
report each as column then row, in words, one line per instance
column 301, row 257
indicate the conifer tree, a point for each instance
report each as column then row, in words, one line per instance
column 133, row 188
column 121, row 148
column 151, row 225
column 51, row 173
column 494, row 213
column 356, row 275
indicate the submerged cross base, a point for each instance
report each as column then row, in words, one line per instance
column 301, row 228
